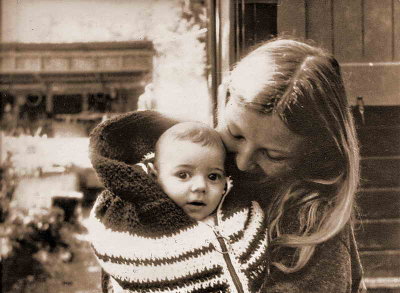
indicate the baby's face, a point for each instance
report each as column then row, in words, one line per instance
column 192, row 176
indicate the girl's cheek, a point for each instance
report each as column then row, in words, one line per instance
column 229, row 144
column 264, row 167
column 273, row 169
column 225, row 138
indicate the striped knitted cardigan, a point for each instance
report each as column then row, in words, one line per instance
column 146, row 243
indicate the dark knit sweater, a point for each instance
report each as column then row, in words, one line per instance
column 334, row 266
column 146, row 243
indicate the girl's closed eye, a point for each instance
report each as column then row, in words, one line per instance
column 234, row 134
column 273, row 157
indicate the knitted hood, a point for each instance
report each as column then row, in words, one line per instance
column 116, row 145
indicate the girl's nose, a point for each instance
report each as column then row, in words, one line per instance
column 244, row 158
column 199, row 184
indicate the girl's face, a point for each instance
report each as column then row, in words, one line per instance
column 261, row 142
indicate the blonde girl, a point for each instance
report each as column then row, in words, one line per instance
column 287, row 119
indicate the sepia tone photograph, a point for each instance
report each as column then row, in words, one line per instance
column 238, row 146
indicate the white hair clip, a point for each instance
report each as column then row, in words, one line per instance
column 229, row 185
column 148, row 156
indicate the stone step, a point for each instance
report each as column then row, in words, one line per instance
column 380, row 172
column 378, row 203
column 381, row 264
column 378, row 234
column 382, row 285
column 379, row 140
column 383, row 290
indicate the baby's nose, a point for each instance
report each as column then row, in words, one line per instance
column 199, row 184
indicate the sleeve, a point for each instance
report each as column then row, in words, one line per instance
column 334, row 267
column 116, row 145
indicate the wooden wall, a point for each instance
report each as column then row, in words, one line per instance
column 364, row 35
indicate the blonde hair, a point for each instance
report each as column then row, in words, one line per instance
column 303, row 85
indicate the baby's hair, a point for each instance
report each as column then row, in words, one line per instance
column 195, row 132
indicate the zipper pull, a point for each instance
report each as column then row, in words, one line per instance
column 218, row 234
column 226, row 240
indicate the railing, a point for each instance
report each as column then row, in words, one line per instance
column 70, row 58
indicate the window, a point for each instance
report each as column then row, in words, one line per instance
column 254, row 22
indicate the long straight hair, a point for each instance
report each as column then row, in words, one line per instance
column 305, row 87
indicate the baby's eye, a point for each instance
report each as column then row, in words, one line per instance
column 182, row 175
column 214, row 176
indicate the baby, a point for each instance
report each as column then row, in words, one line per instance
column 213, row 249
column 189, row 166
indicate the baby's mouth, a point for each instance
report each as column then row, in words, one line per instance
column 197, row 203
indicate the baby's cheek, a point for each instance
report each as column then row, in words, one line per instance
column 221, row 189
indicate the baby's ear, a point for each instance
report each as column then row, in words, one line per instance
column 228, row 185
column 152, row 170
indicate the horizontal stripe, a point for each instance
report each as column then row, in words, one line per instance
column 255, row 243
column 256, row 222
column 236, row 237
column 259, row 266
column 162, row 284
column 145, row 262
column 198, row 287
column 136, row 273
column 233, row 224
column 155, row 262
column 126, row 245
column 258, row 254
column 217, row 288
column 234, row 227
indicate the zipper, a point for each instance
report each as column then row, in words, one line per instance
column 220, row 238
column 227, row 258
